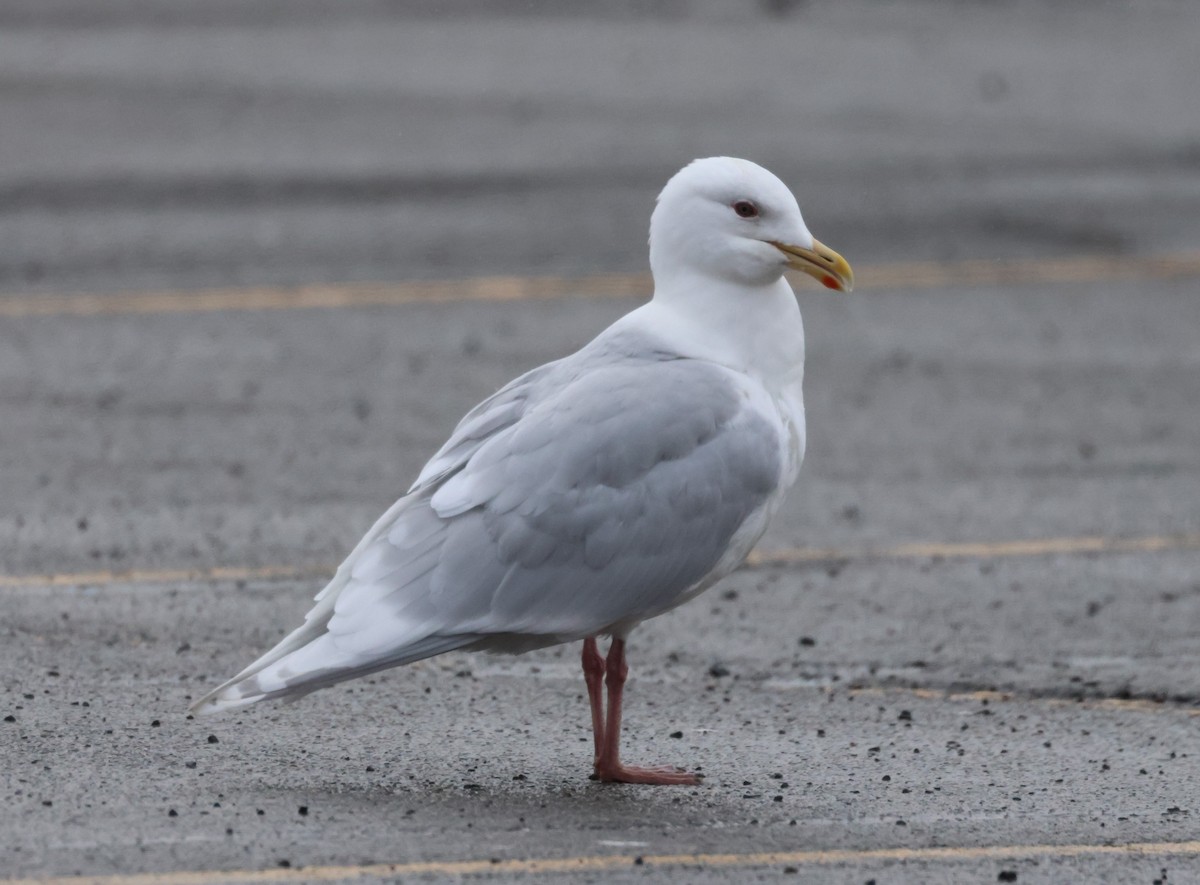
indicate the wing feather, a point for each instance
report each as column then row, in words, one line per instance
column 591, row 493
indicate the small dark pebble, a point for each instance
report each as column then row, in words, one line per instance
column 791, row 869
column 718, row 670
column 155, row 724
column 285, row 863
column 172, row 813
column 518, row 777
column 303, row 810
column 212, row 739
column 902, row 823
column 189, row 765
column 10, row 718
column 259, row 812
column 47, row 802
column 807, row 641
column 637, row 861
column 676, row 734
column 1007, row 876
column 905, row 716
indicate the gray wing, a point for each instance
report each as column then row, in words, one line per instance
column 591, row 492
column 606, row 502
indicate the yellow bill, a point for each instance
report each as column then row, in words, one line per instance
column 821, row 263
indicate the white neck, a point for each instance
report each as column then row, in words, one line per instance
column 755, row 330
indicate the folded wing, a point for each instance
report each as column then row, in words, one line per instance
column 591, row 493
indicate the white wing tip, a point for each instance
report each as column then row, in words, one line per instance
column 215, row 705
column 223, row 700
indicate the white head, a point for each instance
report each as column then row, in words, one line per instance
column 733, row 220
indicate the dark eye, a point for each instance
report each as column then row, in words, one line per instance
column 745, row 209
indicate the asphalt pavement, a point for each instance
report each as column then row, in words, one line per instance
column 965, row 651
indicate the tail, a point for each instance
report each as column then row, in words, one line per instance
column 251, row 685
column 312, row 657
column 308, row 660
column 367, row 636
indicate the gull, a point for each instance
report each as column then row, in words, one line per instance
column 600, row 489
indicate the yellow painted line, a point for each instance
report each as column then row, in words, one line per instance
column 977, row 549
column 616, row 862
column 103, row 577
column 326, row 295
column 1070, row 269
column 986, row 696
column 756, row 559
column 900, row 275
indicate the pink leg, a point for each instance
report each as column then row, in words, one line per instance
column 608, row 757
column 593, row 675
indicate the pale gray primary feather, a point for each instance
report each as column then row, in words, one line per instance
column 592, row 491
